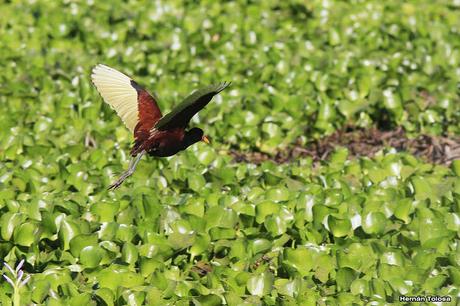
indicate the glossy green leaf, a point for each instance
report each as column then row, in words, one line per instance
column 264, row 209
column 40, row 289
column 345, row 277
column 261, row 284
column 26, row 234
column 339, row 227
column 300, row 259
column 129, row 253
column 91, row 256
column 68, row 230
column 9, row 221
column 106, row 295
column 81, row 241
column 374, row 223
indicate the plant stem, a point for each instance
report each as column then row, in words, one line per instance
column 16, row 297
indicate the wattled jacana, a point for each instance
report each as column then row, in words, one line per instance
column 154, row 134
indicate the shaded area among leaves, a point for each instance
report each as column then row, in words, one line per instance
column 365, row 142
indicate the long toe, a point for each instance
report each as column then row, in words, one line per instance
column 116, row 184
column 113, row 186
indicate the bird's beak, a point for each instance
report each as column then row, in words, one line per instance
column 205, row 139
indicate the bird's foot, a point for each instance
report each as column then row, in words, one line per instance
column 127, row 173
column 115, row 185
column 118, row 182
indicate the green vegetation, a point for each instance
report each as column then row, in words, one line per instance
column 197, row 227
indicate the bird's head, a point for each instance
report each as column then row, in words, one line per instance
column 194, row 135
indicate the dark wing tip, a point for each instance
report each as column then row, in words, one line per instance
column 222, row 86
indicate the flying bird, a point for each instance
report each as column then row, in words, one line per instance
column 154, row 134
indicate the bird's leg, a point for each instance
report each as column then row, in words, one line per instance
column 127, row 173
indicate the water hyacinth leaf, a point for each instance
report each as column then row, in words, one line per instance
column 154, row 297
column 79, row 242
column 81, row 299
column 333, row 197
column 339, row 227
column 9, row 221
column 261, row 284
column 67, row 231
column 400, row 286
column 287, row 287
column 196, row 182
column 26, row 234
column 206, row 156
column 200, row 245
column 220, row 217
column 116, row 276
column 360, row 286
column 221, row 233
column 34, row 211
column 225, row 175
column 107, row 231
column 106, row 295
column 91, row 256
column 56, row 277
column 394, row 258
column 324, row 264
column 305, row 203
column 357, row 256
column 238, row 249
column 105, row 211
column 319, row 214
column 403, row 210
column 278, row 194
column 456, row 166
column 179, row 240
column 272, row 179
column 300, row 259
column 434, row 282
column 339, row 157
column 209, row 300
column 374, row 223
column 431, row 228
column 149, row 265
column 264, row 209
column 194, row 207
column 377, row 175
column 453, row 222
column 422, row 188
column 134, row 297
column 345, row 277
column 124, row 232
column 260, row 245
column 271, row 129
column 244, row 208
column 129, row 253
column 391, row 100
column 40, row 289
column 454, row 275
column 425, row 259
column 276, row 225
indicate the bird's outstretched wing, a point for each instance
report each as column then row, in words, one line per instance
column 180, row 116
column 135, row 106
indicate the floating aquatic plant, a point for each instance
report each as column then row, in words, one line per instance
column 16, row 280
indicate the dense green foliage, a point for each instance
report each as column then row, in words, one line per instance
column 198, row 227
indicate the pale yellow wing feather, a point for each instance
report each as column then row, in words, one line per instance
column 117, row 91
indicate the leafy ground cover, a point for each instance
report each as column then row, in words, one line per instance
column 201, row 227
